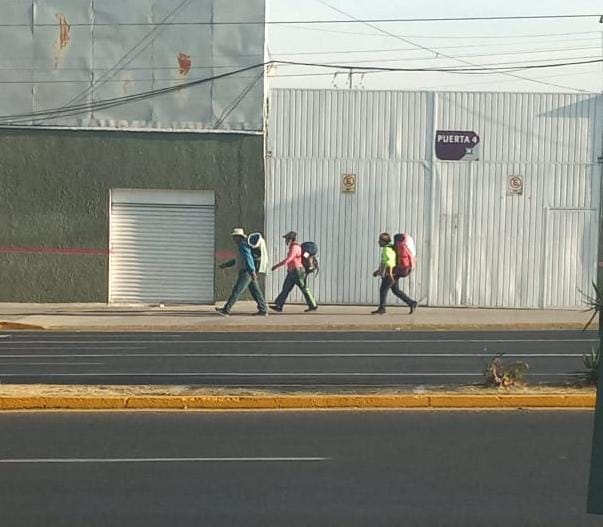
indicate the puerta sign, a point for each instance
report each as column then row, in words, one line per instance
column 453, row 145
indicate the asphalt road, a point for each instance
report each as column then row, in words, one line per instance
column 289, row 468
column 287, row 360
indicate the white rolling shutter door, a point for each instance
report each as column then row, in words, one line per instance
column 162, row 247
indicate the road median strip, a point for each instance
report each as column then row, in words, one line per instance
column 299, row 402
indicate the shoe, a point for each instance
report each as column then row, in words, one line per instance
column 379, row 311
column 315, row 308
column 413, row 307
column 222, row 312
column 261, row 314
column 276, row 308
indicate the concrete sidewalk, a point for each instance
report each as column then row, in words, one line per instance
column 101, row 317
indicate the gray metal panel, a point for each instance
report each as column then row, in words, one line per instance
column 349, row 124
column 74, row 52
column 524, row 127
column 306, row 196
column 477, row 245
column 162, row 253
column 571, row 256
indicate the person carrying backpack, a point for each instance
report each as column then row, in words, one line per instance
column 246, row 276
column 296, row 275
column 390, row 272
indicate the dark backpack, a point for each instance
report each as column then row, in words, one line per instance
column 309, row 257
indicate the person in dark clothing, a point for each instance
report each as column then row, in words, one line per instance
column 247, row 276
column 389, row 280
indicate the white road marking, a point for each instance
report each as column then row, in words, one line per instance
column 265, row 374
column 11, row 347
column 277, row 355
column 170, row 460
column 308, row 341
column 51, row 363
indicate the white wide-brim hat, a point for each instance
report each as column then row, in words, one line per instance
column 239, row 232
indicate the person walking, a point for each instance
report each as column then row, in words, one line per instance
column 295, row 275
column 247, row 276
column 389, row 280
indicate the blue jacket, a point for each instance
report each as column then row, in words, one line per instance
column 243, row 261
column 246, row 261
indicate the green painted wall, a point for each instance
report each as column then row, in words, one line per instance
column 54, row 193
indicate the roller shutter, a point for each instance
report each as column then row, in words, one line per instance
column 162, row 247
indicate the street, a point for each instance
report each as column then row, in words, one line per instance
column 348, row 359
column 295, row 468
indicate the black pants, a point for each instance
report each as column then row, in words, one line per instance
column 386, row 284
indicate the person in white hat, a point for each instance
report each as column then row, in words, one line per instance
column 247, row 276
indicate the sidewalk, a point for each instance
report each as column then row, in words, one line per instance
column 101, row 317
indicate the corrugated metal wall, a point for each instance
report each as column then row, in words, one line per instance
column 477, row 246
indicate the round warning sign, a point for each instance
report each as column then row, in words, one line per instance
column 514, row 186
column 348, row 182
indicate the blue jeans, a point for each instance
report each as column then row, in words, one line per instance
column 243, row 282
column 295, row 278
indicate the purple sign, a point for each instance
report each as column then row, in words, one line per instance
column 453, row 145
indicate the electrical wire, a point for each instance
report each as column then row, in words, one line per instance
column 377, row 28
column 323, row 21
column 130, row 55
column 52, row 113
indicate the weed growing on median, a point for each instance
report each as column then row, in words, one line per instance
column 503, row 375
column 591, row 363
column 594, row 303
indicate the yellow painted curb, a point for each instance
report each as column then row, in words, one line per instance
column 300, row 402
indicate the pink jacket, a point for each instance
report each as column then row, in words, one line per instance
column 294, row 258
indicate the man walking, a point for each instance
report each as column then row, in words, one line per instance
column 388, row 279
column 247, row 276
column 295, row 275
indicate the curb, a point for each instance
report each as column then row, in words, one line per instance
column 301, row 402
column 19, row 326
column 265, row 328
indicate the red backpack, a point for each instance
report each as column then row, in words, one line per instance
column 404, row 258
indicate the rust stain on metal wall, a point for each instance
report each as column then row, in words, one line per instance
column 185, row 63
column 64, row 37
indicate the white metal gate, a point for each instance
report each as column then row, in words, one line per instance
column 478, row 243
column 162, row 246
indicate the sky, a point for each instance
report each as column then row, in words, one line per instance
column 466, row 44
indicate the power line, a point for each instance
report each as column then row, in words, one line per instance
column 506, row 53
column 444, row 36
column 353, row 65
column 464, row 46
column 471, row 68
column 312, row 22
column 130, row 55
column 408, row 41
column 115, row 101
column 23, row 118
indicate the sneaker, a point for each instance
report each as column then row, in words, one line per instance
column 260, row 314
column 222, row 312
column 413, row 307
column 315, row 308
column 379, row 311
column 276, row 308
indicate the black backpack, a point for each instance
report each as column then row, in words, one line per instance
column 309, row 257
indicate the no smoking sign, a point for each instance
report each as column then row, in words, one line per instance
column 514, row 186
